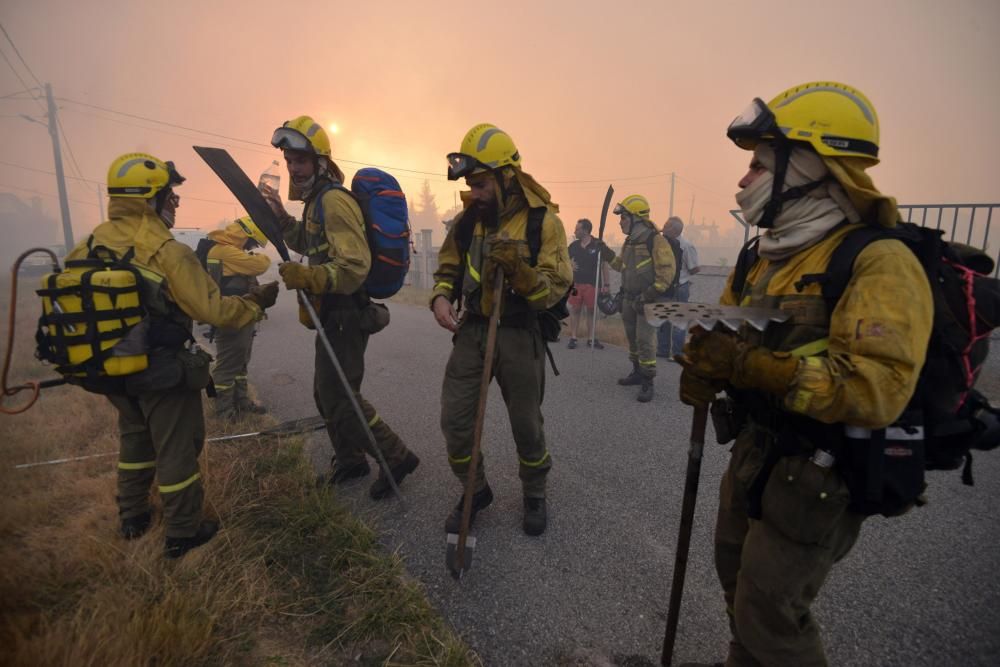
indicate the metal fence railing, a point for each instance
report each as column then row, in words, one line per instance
column 963, row 223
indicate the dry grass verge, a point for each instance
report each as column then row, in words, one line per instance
column 292, row 578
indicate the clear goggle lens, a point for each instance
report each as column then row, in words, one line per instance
column 286, row 138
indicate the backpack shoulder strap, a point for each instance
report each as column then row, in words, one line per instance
column 533, row 233
column 839, row 270
column 745, row 261
column 319, row 216
column 201, row 252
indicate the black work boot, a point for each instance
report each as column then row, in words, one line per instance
column 645, row 391
column 380, row 488
column 340, row 473
column 572, row 344
column 633, row 378
column 535, row 516
column 135, row 527
column 480, row 501
column 225, row 403
column 176, row 547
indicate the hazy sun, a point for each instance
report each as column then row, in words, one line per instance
column 334, row 128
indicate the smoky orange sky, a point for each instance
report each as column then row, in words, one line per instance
column 592, row 92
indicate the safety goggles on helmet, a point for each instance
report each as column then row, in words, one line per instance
column 620, row 210
column 286, row 138
column 755, row 123
column 461, row 165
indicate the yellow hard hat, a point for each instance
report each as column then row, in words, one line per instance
column 636, row 205
column 485, row 147
column 252, row 231
column 835, row 119
column 141, row 176
column 302, row 134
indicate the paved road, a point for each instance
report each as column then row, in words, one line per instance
column 917, row 590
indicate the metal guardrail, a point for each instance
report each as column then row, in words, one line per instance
column 963, row 223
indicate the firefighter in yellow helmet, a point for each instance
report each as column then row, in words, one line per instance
column 785, row 512
column 229, row 258
column 509, row 222
column 647, row 265
column 160, row 421
column 338, row 263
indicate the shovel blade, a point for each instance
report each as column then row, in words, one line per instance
column 451, row 558
column 707, row 316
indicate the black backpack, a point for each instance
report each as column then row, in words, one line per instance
column 885, row 471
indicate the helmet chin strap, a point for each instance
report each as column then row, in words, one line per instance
column 782, row 155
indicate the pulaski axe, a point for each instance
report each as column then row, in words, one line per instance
column 256, row 206
column 707, row 316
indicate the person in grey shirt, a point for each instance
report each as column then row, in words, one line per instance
column 670, row 339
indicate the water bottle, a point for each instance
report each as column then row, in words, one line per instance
column 270, row 178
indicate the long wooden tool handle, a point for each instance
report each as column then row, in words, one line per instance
column 698, row 424
column 484, row 385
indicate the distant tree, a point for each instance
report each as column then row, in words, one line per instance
column 423, row 209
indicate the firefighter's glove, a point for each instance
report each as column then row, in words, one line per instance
column 506, row 254
column 712, row 354
column 264, row 295
column 764, row 369
column 312, row 279
column 696, row 390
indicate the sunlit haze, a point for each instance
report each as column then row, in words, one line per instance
column 592, row 92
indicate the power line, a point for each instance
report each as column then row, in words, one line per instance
column 15, row 95
column 45, row 194
column 19, row 78
column 19, row 56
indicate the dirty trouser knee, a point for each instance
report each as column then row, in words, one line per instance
column 232, row 354
column 347, row 434
column 770, row 578
column 162, row 433
column 641, row 338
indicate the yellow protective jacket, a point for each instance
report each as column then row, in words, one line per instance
column 641, row 269
column 162, row 259
column 339, row 244
column 861, row 362
column 470, row 274
column 228, row 250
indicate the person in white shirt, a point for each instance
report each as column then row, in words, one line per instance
column 670, row 339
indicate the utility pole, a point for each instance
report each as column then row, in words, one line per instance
column 60, row 177
column 672, row 175
column 691, row 214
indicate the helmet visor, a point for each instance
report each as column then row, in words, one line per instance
column 755, row 123
column 461, row 165
column 288, row 139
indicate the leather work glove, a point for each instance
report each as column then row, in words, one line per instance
column 264, row 295
column 312, row 279
column 506, row 254
column 695, row 390
column 719, row 355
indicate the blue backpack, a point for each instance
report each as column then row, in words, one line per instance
column 387, row 226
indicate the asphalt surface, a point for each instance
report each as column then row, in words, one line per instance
column 917, row 590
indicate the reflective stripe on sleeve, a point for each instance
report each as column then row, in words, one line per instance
column 539, row 294
column 812, row 349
